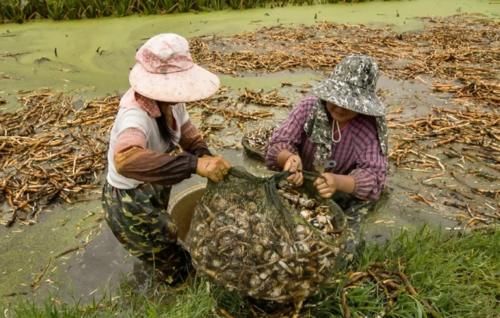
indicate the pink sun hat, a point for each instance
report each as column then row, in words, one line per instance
column 165, row 71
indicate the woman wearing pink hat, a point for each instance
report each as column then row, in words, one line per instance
column 151, row 121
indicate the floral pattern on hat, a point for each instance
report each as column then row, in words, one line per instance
column 352, row 86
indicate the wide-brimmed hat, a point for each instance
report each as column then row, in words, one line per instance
column 166, row 72
column 352, row 86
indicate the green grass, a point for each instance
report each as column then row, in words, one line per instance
column 22, row 10
column 453, row 276
column 456, row 276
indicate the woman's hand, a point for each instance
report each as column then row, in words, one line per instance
column 294, row 165
column 213, row 168
column 326, row 185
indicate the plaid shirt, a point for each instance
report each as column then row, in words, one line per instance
column 357, row 154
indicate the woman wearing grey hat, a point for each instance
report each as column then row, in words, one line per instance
column 340, row 132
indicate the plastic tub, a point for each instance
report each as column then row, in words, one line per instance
column 181, row 208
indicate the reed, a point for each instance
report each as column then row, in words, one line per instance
column 22, row 10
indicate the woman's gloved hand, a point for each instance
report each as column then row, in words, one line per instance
column 326, row 185
column 294, row 165
column 213, row 168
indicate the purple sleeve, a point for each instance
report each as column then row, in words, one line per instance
column 370, row 173
column 290, row 134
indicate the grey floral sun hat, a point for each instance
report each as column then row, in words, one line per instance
column 352, row 86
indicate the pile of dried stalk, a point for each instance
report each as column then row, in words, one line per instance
column 462, row 48
column 245, row 242
column 272, row 98
column 444, row 143
column 54, row 148
column 51, row 149
column 472, row 126
column 230, row 109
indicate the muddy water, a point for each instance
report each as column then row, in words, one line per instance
column 93, row 57
column 70, row 254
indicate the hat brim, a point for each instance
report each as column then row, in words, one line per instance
column 349, row 97
column 186, row 86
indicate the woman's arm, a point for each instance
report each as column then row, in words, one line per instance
column 329, row 183
column 191, row 140
column 364, row 183
column 133, row 160
column 370, row 173
column 288, row 137
column 366, row 180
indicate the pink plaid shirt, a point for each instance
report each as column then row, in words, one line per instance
column 357, row 154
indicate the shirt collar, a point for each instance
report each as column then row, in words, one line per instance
column 149, row 105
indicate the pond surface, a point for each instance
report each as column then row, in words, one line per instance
column 93, row 57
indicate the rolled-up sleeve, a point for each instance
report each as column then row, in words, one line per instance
column 290, row 134
column 370, row 173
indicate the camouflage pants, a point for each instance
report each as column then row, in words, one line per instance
column 139, row 220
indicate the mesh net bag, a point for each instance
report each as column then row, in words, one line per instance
column 265, row 239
